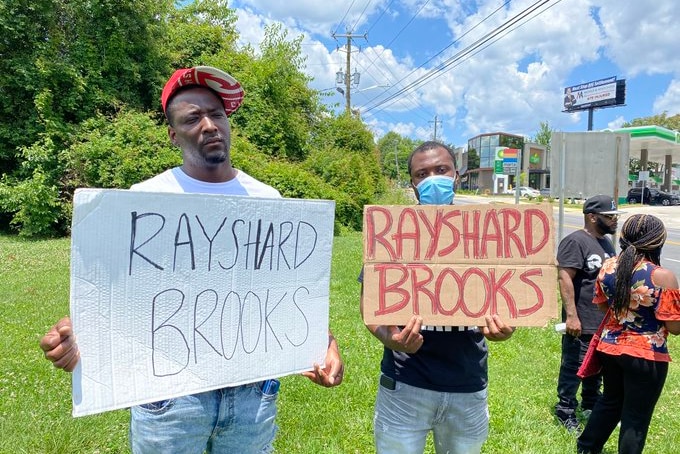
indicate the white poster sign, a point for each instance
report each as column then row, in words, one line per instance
column 174, row 294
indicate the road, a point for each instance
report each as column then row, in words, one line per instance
column 573, row 220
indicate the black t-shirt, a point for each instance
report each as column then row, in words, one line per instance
column 451, row 359
column 585, row 253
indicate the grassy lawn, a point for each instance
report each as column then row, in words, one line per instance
column 35, row 407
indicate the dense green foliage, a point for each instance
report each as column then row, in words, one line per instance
column 663, row 120
column 394, row 153
column 116, row 152
column 64, row 61
column 81, row 82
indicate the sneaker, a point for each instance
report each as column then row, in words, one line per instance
column 585, row 414
column 571, row 424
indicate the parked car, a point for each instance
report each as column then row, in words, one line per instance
column 652, row 197
column 525, row 191
column 545, row 192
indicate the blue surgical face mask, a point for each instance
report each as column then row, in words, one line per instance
column 436, row 190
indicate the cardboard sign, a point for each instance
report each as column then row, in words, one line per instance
column 453, row 265
column 174, row 294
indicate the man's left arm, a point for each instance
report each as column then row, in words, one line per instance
column 495, row 329
column 331, row 374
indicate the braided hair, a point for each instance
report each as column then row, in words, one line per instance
column 642, row 237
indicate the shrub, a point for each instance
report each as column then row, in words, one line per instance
column 118, row 152
column 351, row 172
column 34, row 204
column 294, row 181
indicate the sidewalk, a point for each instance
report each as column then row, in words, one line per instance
column 670, row 215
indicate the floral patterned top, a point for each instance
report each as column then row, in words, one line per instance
column 641, row 332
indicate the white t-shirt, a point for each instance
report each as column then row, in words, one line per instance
column 175, row 180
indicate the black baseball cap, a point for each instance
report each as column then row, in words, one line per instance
column 600, row 204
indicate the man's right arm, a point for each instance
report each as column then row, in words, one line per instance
column 408, row 339
column 565, row 277
column 59, row 345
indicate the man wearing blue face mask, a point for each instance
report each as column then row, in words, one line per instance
column 433, row 378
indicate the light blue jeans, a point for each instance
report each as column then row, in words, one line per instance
column 227, row 420
column 404, row 416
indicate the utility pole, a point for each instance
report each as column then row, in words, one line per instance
column 436, row 120
column 396, row 165
column 348, row 78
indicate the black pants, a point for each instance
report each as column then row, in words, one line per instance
column 573, row 351
column 632, row 387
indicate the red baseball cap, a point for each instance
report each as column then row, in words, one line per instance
column 225, row 86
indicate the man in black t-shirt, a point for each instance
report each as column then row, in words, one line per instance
column 433, row 378
column 579, row 257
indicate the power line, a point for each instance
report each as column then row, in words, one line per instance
column 349, row 8
column 400, row 31
column 356, row 23
column 410, row 94
column 459, row 56
column 380, row 17
column 413, row 98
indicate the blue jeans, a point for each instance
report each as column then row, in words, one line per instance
column 227, row 420
column 404, row 416
column 573, row 351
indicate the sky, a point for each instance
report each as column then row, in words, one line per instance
column 470, row 67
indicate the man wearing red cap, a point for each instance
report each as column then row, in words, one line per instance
column 197, row 102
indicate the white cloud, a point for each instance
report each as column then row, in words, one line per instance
column 641, row 37
column 319, row 17
column 616, row 123
column 511, row 85
column 669, row 102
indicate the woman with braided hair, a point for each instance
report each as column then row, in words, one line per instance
column 644, row 306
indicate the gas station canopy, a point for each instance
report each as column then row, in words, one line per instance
column 658, row 141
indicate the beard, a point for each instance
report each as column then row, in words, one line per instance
column 604, row 227
column 216, row 159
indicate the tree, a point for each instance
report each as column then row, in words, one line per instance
column 82, row 107
column 394, row 153
column 62, row 62
column 473, row 159
column 280, row 110
column 543, row 135
column 82, row 58
column 201, row 31
column 662, row 120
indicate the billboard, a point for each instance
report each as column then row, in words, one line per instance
column 598, row 93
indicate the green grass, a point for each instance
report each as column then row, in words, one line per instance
column 35, row 406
